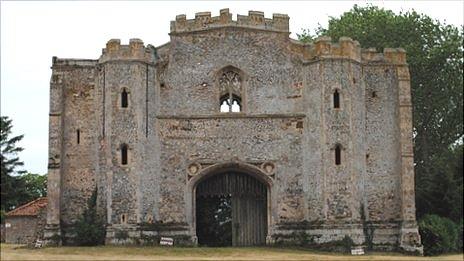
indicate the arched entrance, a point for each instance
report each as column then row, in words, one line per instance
column 231, row 209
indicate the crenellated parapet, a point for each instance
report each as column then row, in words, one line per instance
column 135, row 51
column 347, row 48
column 254, row 20
column 389, row 55
column 63, row 62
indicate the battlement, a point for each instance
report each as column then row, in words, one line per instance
column 391, row 55
column 255, row 20
column 136, row 50
column 63, row 62
column 323, row 47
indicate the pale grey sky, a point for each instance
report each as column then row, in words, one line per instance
column 33, row 32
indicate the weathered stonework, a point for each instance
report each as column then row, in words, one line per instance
column 25, row 224
column 286, row 134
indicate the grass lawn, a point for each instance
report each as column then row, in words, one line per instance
column 18, row 252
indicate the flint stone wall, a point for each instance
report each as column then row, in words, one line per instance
column 287, row 120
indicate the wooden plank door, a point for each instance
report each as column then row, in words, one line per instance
column 249, row 222
column 248, row 199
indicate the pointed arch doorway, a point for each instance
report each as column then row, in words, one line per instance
column 231, row 209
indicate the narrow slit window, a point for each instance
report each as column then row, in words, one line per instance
column 338, row 155
column 78, row 136
column 124, row 154
column 336, row 99
column 124, row 99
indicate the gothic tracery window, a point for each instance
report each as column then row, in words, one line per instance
column 230, row 84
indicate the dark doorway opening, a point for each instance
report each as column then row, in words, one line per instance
column 231, row 210
column 214, row 221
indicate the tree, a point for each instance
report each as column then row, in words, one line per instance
column 9, row 163
column 90, row 228
column 453, row 194
column 32, row 186
column 439, row 235
column 435, row 58
column 17, row 188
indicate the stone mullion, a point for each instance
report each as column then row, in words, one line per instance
column 230, row 100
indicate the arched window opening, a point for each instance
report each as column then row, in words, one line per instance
column 78, row 136
column 236, row 106
column 338, row 155
column 224, row 106
column 230, row 84
column 230, row 104
column 123, row 219
column 124, row 99
column 336, row 99
column 124, row 154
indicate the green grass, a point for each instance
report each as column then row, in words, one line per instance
column 18, row 252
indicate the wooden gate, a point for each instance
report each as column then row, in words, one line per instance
column 248, row 199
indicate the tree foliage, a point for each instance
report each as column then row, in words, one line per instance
column 435, row 58
column 90, row 229
column 9, row 162
column 32, row 186
column 17, row 188
column 439, row 235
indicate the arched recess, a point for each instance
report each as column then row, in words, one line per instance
column 242, row 169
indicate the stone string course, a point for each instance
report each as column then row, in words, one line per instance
column 287, row 121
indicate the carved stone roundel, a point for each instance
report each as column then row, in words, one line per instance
column 268, row 168
column 193, row 169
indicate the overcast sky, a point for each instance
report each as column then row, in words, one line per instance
column 33, row 32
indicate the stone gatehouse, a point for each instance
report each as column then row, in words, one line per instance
column 292, row 138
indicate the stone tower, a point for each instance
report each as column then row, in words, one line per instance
column 300, row 138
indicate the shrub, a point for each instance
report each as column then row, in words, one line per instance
column 347, row 243
column 305, row 239
column 2, row 216
column 150, row 240
column 121, row 235
column 439, row 235
column 460, row 235
column 90, row 229
column 55, row 239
